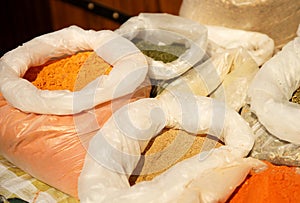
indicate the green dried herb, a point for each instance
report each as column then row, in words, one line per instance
column 164, row 53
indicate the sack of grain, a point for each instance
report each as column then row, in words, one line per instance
column 271, row 92
column 129, row 71
column 210, row 176
column 277, row 19
column 173, row 44
column 57, row 91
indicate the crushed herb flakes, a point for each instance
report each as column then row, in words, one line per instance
column 164, row 53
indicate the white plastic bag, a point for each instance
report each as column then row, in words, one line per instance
column 259, row 46
column 200, row 80
column 271, row 90
column 129, row 71
column 165, row 29
column 225, row 76
column 235, row 84
column 116, row 149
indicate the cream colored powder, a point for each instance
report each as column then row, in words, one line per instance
column 167, row 149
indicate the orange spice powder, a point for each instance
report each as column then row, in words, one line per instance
column 277, row 184
column 70, row 73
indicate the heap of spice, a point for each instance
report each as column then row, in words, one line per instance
column 276, row 184
column 171, row 146
column 68, row 73
column 164, row 53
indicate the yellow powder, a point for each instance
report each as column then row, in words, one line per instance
column 70, row 73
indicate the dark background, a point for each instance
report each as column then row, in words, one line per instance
column 22, row 20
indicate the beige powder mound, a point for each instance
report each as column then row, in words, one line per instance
column 167, row 149
column 92, row 68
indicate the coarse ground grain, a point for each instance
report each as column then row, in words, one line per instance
column 168, row 148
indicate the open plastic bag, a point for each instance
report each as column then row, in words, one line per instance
column 209, row 177
column 166, row 29
column 278, row 19
column 129, row 71
column 271, row 90
column 52, row 147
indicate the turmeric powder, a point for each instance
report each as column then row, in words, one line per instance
column 277, row 184
column 70, row 73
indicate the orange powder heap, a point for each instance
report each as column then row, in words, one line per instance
column 70, row 73
column 277, row 184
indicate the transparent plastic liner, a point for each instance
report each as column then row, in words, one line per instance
column 268, row 147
